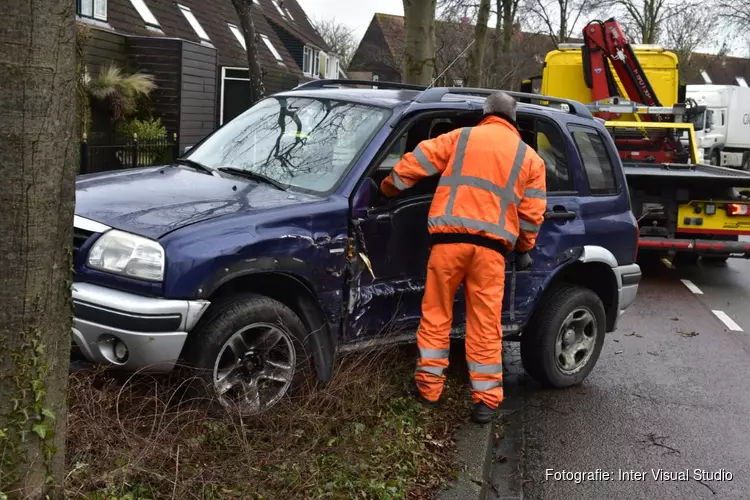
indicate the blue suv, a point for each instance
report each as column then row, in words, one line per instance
column 268, row 248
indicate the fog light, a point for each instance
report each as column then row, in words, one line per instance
column 121, row 351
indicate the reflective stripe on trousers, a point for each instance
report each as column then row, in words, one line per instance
column 506, row 193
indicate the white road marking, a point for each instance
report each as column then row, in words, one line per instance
column 728, row 321
column 691, row 286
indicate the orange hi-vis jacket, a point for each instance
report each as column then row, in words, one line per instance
column 492, row 190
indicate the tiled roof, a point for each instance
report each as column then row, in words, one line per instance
column 722, row 70
column 213, row 17
column 298, row 26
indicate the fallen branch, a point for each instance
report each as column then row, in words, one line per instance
column 707, row 486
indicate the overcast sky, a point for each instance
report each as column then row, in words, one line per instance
column 354, row 13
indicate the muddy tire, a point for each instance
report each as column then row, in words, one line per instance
column 249, row 351
column 563, row 341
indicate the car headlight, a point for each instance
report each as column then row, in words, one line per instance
column 127, row 254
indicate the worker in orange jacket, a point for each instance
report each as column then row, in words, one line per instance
column 490, row 200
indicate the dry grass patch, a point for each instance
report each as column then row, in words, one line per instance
column 359, row 437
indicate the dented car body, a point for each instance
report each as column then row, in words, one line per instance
column 283, row 203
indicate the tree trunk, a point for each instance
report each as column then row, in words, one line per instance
column 419, row 52
column 257, row 92
column 37, row 161
column 497, row 44
column 508, row 15
column 476, row 57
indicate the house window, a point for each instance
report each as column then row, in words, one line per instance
column 705, row 76
column 273, row 50
column 238, row 34
column 332, row 67
column 741, row 81
column 311, row 61
column 94, row 9
column 194, row 22
column 278, row 7
column 145, row 12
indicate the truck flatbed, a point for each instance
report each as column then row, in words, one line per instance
column 686, row 172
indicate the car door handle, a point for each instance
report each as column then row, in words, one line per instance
column 559, row 213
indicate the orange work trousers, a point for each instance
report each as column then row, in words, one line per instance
column 482, row 271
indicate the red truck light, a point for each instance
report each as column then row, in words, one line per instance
column 737, row 209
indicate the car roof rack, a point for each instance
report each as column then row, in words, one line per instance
column 319, row 84
column 436, row 94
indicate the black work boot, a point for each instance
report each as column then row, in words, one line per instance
column 482, row 413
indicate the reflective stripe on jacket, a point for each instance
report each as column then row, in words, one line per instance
column 492, row 185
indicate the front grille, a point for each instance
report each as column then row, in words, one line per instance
column 79, row 238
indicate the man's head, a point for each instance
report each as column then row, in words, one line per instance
column 500, row 103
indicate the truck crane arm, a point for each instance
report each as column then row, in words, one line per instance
column 606, row 41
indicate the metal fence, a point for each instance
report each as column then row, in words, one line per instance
column 127, row 154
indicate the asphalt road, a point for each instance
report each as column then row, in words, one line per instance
column 669, row 392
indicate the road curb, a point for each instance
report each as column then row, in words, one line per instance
column 474, row 444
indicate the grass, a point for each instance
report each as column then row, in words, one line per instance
column 360, row 437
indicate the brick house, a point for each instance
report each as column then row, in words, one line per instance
column 195, row 50
column 380, row 54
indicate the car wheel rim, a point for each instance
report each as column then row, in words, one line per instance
column 254, row 368
column 575, row 341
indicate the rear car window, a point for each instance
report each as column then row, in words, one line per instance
column 596, row 160
column 550, row 146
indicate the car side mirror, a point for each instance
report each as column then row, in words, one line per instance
column 366, row 196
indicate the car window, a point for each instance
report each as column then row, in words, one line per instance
column 302, row 142
column 550, row 146
column 596, row 161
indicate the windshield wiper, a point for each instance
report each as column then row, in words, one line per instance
column 194, row 164
column 254, row 176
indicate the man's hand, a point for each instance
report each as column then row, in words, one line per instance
column 523, row 261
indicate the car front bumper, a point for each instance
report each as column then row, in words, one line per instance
column 153, row 330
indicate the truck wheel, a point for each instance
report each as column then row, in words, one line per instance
column 715, row 157
column 250, row 352
column 562, row 343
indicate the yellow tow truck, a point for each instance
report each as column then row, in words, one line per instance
column 684, row 207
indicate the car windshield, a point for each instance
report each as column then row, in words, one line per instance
column 296, row 141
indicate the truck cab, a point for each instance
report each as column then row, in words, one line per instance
column 268, row 248
column 723, row 131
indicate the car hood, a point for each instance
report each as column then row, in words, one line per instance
column 154, row 201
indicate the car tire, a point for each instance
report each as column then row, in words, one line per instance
column 715, row 158
column 545, row 347
column 275, row 362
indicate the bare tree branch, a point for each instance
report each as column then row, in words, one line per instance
column 339, row 37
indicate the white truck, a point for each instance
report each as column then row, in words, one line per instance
column 723, row 130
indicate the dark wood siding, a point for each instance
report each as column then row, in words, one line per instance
column 103, row 49
column 161, row 58
column 199, row 93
